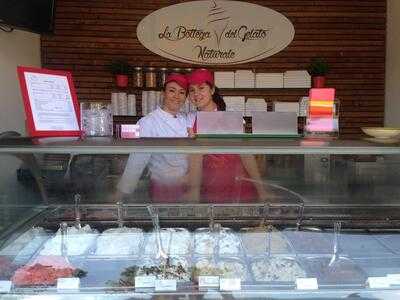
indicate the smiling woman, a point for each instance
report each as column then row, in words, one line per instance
column 167, row 171
column 219, row 178
column 174, row 94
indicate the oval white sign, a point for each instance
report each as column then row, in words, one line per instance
column 215, row 32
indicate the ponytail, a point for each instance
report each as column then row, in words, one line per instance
column 217, row 98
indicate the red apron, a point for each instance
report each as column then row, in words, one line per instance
column 224, row 179
column 166, row 193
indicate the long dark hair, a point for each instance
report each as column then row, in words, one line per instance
column 217, row 98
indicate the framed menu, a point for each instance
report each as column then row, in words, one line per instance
column 50, row 102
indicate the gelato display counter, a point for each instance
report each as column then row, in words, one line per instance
column 324, row 230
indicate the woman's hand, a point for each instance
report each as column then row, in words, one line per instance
column 190, row 132
column 191, row 196
column 263, row 194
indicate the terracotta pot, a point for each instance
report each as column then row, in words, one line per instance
column 319, row 81
column 121, row 80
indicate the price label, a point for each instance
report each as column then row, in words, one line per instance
column 68, row 283
column 165, row 285
column 5, row 286
column 307, row 283
column 208, row 281
column 145, row 282
column 378, row 282
column 230, row 284
column 394, row 279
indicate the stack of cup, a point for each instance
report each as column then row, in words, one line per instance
column 123, row 104
column 114, row 104
column 131, row 105
column 152, row 101
column 160, row 99
column 144, row 103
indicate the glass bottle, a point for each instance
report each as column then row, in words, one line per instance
column 176, row 70
column 151, row 77
column 138, row 77
column 162, row 77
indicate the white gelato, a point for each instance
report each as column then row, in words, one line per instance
column 77, row 241
column 181, row 242
column 205, row 242
column 255, row 241
column 229, row 243
column 276, row 269
column 174, row 241
column 233, row 269
column 119, row 241
column 27, row 243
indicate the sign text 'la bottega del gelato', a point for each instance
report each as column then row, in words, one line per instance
column 215, row 32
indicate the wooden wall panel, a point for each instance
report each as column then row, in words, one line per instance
column 350, row 34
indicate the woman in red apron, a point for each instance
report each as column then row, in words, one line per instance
column 225, row 178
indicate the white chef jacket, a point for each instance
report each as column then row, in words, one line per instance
column 164, row 168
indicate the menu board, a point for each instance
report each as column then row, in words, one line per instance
column 50, row 102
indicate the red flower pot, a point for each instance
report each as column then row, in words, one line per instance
column 121, row 80
column 319, row 81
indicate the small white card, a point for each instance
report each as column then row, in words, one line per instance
column 142, row 282
column 230, row 284
column 307, row 283
column 68, row 283
column 165, row 285
column 378, row 282
column 394, row 279
column 130, row 131
column 208, row 281
column 5, row 286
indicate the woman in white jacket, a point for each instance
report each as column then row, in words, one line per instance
column 167, row 171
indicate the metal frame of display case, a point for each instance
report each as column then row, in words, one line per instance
column 105, row 145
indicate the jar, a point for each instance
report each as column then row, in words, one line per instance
column 96, row 119
column 162, row 77
column 151, row 77
column 138, row 77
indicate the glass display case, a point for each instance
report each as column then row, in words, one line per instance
column 199, row 218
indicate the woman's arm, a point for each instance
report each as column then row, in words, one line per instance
column 250, row 164
column 136, row 163
column 194, row 176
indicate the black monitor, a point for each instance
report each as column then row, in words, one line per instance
column 31, row 15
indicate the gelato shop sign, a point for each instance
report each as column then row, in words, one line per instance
column 215, row 32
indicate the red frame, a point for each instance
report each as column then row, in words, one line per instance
column 33, row 132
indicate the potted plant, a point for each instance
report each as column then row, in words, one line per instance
column 318, row 69
column 121, row 69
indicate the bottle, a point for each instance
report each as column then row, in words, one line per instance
column 151, row 77
column 138, row 77
column 177, row 70
column 162, row 77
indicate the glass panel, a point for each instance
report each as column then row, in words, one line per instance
column 266, row 219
